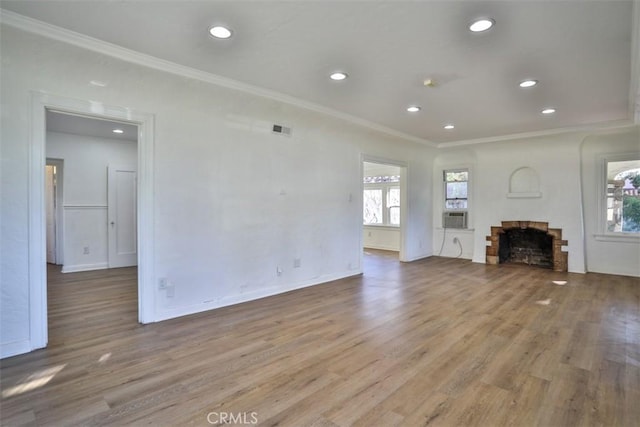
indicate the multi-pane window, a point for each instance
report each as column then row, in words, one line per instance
column 381, row 200
column 373, row 206
column 623, row 197
column 393, row 205
column 455, row 189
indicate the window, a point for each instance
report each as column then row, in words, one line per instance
column 372, row 206
column 393, row 205
column 455, row 189
column 623, row 197
column 381, row 200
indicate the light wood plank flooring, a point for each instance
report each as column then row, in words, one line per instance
column 434, row 342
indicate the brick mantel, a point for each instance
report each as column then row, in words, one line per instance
column 560, row 257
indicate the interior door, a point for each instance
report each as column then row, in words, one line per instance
column 122, row 216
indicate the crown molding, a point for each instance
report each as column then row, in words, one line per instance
column 592, row 127
column 49, row 31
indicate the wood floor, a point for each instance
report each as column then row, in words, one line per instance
column 434, row 342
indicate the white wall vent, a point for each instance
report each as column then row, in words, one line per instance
column 282, row 130
column 454, row 220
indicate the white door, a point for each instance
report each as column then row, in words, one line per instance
column 50, row 201
column 122, row 213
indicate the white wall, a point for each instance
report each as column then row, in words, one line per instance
column 381, row 237
column 232, row 201
column 556, row 161
column 606, row 254
column 455, row 243
column 85, row 194
column 567, row 172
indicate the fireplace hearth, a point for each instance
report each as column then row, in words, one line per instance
column 527, row 242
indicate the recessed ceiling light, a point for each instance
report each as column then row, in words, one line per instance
column 528, row 83
column 118, row 131
column 481, row 25
column 338, row 75
column 220, row 32
column 548, row 111
column 413, row 108
column 449, row 127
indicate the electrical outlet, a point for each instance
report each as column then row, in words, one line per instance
column 455, row 240
column 297, row 262
column 162, row 284
column 85, row 250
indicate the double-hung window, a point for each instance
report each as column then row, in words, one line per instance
column 381, row 200
column 455, row 189
column 623, row 196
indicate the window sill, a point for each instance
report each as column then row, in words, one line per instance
column 620, row 238
column 390, row 227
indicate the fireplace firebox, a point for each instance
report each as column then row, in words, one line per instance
column 527, row 242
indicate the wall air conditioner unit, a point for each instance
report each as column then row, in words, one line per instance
column 454, row 220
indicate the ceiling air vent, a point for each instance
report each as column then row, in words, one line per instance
column 282, row 130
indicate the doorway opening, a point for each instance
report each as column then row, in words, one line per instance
column 91, row 217
column 93, row 206
column 54, row 178
column 383, row 210
column 42, row 103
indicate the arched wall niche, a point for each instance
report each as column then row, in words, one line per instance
column 524, row 182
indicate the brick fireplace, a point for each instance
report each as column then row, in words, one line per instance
column 527, row 242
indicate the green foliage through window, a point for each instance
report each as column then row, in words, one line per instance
column 623, row 196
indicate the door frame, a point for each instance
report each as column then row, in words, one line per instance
column 404, row 167
column 40, row 102
column 59, row 214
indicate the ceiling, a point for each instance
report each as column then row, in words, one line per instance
column 85, row 126
column 579, row 51
column 379, row 169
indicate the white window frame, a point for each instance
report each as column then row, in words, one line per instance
column 444, row 189
column 604, row 234
column 385, row 187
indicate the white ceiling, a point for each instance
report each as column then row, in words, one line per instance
column 379, row 169
column 86, row 126
column 580, row 51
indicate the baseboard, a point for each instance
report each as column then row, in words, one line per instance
column 14, row 348
column 467, row 256
column 382, row 248
column 630, row 273
column 84, row 267
column 417, row 257
column 249, row 296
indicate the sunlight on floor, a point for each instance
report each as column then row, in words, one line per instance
column 560, row 282
column 544, row 301
column 104, row 357
column 33, row 381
